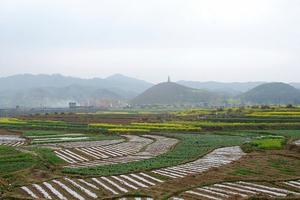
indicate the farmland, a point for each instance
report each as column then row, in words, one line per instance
column 178, row 154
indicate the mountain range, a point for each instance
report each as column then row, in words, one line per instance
column 116, row 82
column 233, row 88
column 29, row 90
column 56, row 90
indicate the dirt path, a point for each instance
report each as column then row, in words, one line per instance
column 9, row 132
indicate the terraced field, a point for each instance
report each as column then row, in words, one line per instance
column 90, row 188
column 12, row 140
column 68, row 188
column 217, row 154
column 55, row 137
column 237, row 190
column 217, row 158
column 83, row 144
column 135, row 149
column 293, row 184
column 13, row 144
column 116, row 186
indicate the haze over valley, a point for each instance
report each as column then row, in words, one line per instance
column 119, row 91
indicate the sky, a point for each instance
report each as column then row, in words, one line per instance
column 200, row 40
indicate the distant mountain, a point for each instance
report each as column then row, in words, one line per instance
column 58, row 97
column 233, row 88
column 125, row 83
column 296, row 85
column 56, row 90
column 115, row 82
column 272, row 93
column 172, row 93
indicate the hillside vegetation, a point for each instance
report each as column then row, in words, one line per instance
column 272, row 93
column 173, row 93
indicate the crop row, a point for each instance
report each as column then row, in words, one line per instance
column 250, row 123
column 217, row 158
column 191, row 147
column 237, row 190
column 90, row 188
column 147, row 127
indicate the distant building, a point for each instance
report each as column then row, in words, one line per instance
column 169, row 79
column 72, row 105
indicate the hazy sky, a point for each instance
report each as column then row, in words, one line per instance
column 221, row 40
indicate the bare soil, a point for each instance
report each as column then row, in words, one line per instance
column 9, row 132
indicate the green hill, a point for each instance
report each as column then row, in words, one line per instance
column 169, row 93
column 272, row 93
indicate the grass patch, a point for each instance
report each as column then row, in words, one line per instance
column 7, row 151
column 290, row 134
column 48, row 156
column 42, row 133
column 285, row 166
column 268, row 143
column 244, row 171
column 12, row 160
